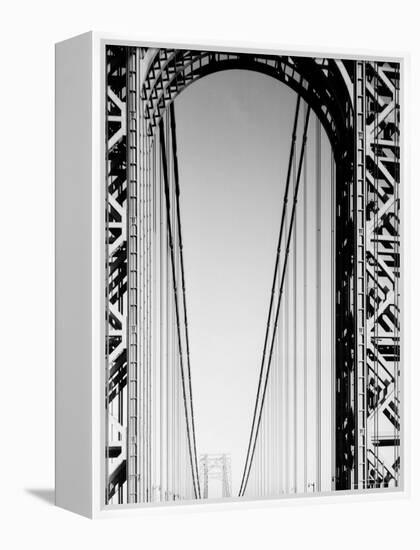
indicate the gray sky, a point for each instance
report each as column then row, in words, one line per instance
column 233, row 132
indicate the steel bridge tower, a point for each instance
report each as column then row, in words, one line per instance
column 150, row 431
column 216, row 467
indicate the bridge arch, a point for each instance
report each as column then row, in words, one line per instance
column 322, row 83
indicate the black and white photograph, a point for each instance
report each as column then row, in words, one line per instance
column 209, row 281
column 252, row 304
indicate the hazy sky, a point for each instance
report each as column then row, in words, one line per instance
column 233, row 132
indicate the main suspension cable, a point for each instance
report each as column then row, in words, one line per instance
column 171, row 245
column 177, row 194
column 295, row 195
column 273, row 287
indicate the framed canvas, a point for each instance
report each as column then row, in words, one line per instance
column 229, row 274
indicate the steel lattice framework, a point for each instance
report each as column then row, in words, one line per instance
column 379, row 315
column 357, row 102
column 116, row 271
column 217, row 467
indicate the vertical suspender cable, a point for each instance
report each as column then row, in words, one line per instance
column 305, row 325
column 163, row 379
column 142, row 407
column 150, row 321
column 276, row 420
column 287, row 374
column 295, row 363
column 333, row 324
column 318, row 303
column 146, row 327
column 169, row 370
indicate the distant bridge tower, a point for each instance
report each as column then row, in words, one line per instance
column 216, row 466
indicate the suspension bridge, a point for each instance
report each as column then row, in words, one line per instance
column 326, row 410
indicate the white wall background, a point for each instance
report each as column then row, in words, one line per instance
column 27, row 34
